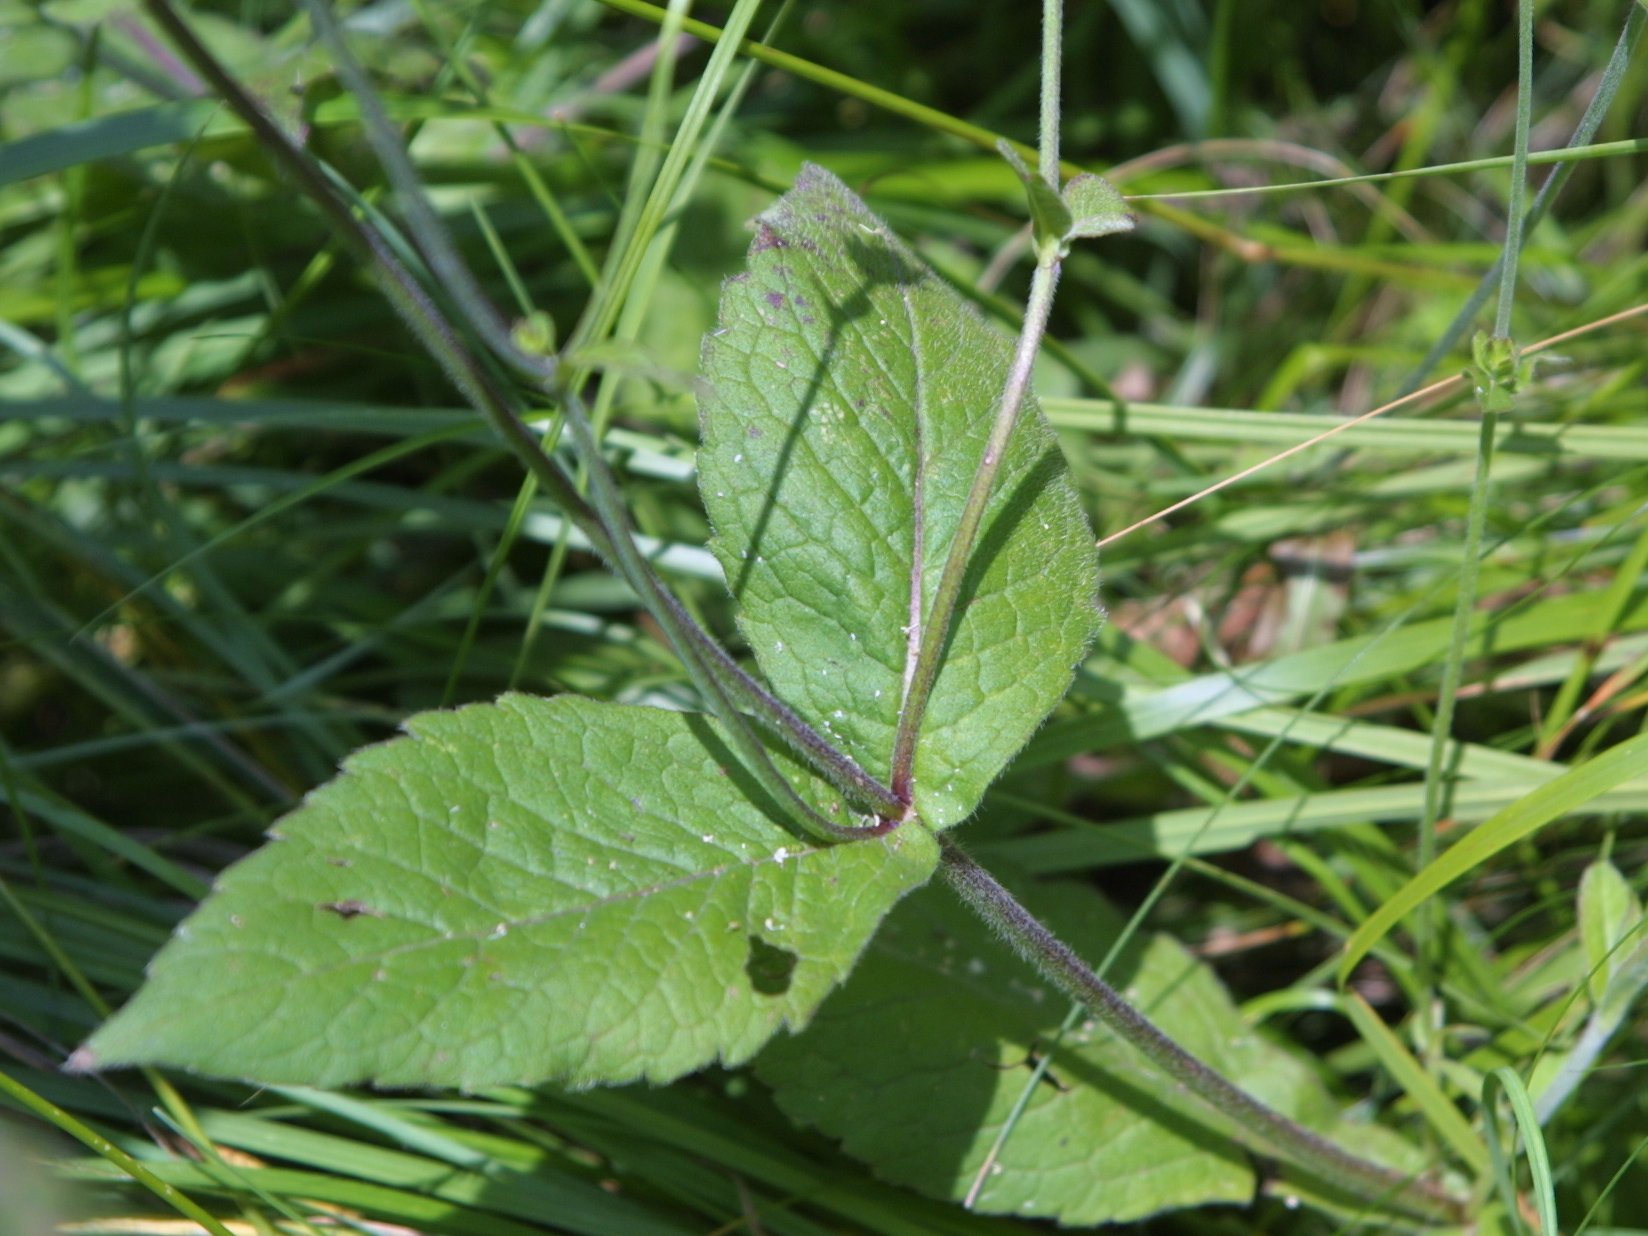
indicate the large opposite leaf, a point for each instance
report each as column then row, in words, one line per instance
column 916, row 1063
column 851, row 393
column 520, row 891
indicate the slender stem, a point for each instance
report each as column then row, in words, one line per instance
column 841, row 83
column 1052, row 61
column 932, row 629
column 433, row 241
column 935, row 625
column 1519, row 168
column 608, row 530
column 1428, row 922
column 691, row 642
column 1608, row 86
column 1252, row 1119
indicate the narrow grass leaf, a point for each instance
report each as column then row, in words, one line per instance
column 1420, row 1086
column 1543, row 805
column 1541, row 1187
column 1234, row 825
column 516, row 892
column 851, row 395
column 108, row 137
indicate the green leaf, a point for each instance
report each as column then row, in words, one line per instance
column 1610, row 915
column 851, row 391
column 1496, row 371
column 1096, row 207
column 516, row 892
column 1050, row 219
column 916, row 1063
column 1541, row 1190
column 1615, row 954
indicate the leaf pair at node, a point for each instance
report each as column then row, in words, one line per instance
column 1086, row 208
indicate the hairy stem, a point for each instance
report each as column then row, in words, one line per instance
column 1269, row 1129
column 692, row 642
column 1519, row 168
column 1052, row 63
column 433, row 242
column 935, row 625
column 933, row 628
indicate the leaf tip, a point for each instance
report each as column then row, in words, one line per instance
column 1097, row 206
column 83, row 1060
column 1005, row 149
column 765, row 238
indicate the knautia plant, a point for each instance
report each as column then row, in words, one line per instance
column 581, row 893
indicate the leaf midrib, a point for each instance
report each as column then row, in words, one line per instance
column 918, row 508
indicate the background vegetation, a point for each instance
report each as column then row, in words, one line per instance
column 247, row 530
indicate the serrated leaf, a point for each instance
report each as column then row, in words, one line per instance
column 516, row 892
column 1096, row 207
column 851, row 392
column 916, row 1063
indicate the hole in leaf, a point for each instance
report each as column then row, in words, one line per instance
column 769, row 967
column 350, row 909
